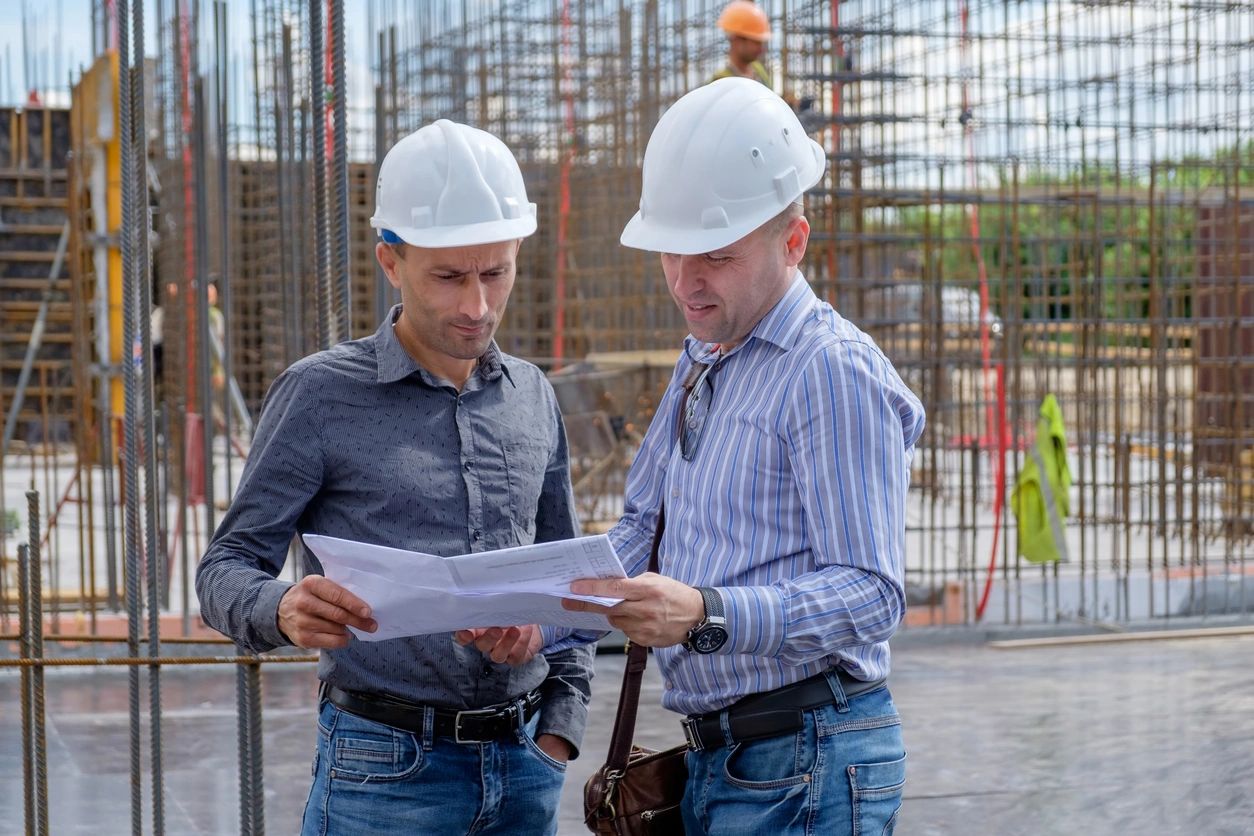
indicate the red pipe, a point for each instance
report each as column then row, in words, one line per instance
column 189, row 206
column 993, row 421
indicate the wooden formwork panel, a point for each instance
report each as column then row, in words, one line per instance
column 612, row 298
column 259, row 301
column 361, row 239
column 34, row 146
column 256, row 292
column 34, row 138
column 1224, row 310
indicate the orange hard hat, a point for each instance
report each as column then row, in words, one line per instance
column 745, row 19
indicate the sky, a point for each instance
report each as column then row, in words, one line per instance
column 58, row 44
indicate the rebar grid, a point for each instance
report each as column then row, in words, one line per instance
column 1021, row 200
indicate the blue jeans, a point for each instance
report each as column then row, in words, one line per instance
column 370, row 778
column 842, row 773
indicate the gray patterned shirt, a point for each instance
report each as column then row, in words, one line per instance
column 360, row 442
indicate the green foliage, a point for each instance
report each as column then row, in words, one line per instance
column 1093, row 242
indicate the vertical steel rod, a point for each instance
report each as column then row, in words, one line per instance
column 26, row 686
column 39, row 736
column 321, row 243
column 340, row 268
column 130, row 422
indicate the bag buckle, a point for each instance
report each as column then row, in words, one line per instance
column 693, row 739
column 612, row 777
column 508, row 713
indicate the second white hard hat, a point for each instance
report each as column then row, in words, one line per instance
column 451, row 185
column 725, row 159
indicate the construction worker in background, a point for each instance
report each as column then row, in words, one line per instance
column 217, row 335
column 157, row 324
column 747, row 30
column 776, row 471
column 423, row 436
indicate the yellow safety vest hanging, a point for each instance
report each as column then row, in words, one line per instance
column 1042, row 504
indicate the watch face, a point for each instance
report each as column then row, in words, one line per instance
column 709, row 639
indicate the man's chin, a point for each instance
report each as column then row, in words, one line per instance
column 468, row 348
column 704, row 333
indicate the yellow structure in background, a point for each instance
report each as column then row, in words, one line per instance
column 96, row 216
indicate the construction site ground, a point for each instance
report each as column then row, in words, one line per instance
column 1143, row 737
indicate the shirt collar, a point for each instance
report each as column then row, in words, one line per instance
column 395, row 363
column 781, row 324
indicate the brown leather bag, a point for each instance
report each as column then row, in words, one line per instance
column 642, row 799
column 637, row 791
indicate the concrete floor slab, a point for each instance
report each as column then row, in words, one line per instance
column 1152, row 737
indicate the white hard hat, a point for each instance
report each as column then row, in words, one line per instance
column 725, row 159
column 451, row 185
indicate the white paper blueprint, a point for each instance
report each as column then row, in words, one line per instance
column 411, row 593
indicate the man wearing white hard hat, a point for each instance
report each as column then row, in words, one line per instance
column 777, row 466
column 423, row 436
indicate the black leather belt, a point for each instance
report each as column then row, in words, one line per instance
column 469, row 726
column 770, row 713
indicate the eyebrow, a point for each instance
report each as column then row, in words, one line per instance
column 459, row 270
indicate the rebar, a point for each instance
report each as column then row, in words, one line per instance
column 225, row 250
column 143, row 283
column 322, row 264
column 257, row 799
column 1103, row 151
column 35, row 629
column 26, row 685
column 249, row 660
column 130, row 418
column 94, row 638
column 243, row 739
column 340, row 267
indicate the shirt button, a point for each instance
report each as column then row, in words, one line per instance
column 475, row 534
column 670, row 686
column 466, row 465
column 675, row 494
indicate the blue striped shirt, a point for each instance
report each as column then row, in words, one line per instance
column 793, row 505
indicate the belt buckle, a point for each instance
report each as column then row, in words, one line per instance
column 689, row 725
column 509, row 712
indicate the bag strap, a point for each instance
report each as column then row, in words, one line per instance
column 638, row 654
column 629, row 696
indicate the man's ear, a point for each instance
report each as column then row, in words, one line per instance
column 795, row 241
column 386, row 257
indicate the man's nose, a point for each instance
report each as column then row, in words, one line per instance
column 473, row 303
column 688, row 276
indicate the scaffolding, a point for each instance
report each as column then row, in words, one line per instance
column 1021, row 200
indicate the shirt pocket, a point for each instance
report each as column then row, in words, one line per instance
column 525, row 465
column 414, row 485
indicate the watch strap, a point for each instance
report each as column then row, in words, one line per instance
column 713, row 603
